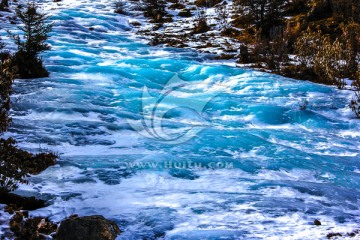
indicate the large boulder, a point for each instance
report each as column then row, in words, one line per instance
column 201, row 27
column 87, row 228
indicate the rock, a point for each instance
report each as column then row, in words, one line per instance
column 157, row 26
column 331, row 235
column 135, row 23
column 158, row 17
column 317, row 222
column 244, row 54
column 27, row 203
column 352, row 234
column 155, row 41
column 185, row 13
column 87, row 228
column 31, row 228
column 201, row 27
column 177, row 6
column 225, row 56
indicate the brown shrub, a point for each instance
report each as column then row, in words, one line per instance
column 206, row 3
column 17, row 164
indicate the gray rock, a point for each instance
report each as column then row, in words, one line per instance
column 87, row 228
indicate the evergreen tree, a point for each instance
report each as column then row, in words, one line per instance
column 264, row 14
column 7, row 75
column 33, row 42
column 4, row 5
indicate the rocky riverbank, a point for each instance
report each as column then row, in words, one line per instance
column 219, row 29
column 15, row 208
column 73, row 228
column 306, row 40
column 181, row 26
